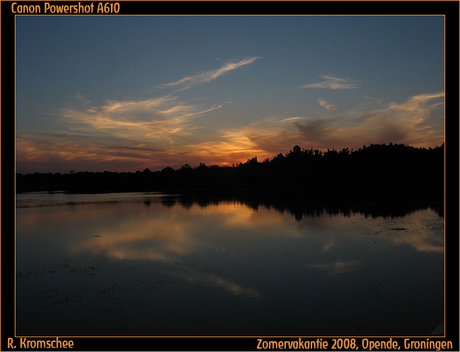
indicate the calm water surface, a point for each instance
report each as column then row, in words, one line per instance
column 143, row 264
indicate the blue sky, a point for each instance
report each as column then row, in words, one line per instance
column 125, row 93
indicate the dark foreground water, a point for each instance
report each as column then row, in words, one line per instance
column 144, row 264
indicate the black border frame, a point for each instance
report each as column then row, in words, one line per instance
column 450, row 9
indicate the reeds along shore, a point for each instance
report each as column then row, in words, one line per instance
column 379, row 169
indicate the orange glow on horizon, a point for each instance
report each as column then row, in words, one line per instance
column 117, row 137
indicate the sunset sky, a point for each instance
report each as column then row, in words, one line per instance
column 125, row 93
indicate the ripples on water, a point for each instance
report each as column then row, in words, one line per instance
column 150, row 264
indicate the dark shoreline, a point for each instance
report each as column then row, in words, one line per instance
column 298, row 204
column 386, row 178
column 373, row 170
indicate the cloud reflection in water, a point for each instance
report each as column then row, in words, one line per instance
column 234, row 256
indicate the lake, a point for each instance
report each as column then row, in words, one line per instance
column 132, row 264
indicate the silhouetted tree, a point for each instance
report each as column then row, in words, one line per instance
column 377, row 168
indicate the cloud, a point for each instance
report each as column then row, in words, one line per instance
column 326, row 105
column 409, row 122
column 114, row 136
column 323, row 133
column 168, row 131
column 204, row 77
column 128, row 135
column 155, row 114
column 332, row 83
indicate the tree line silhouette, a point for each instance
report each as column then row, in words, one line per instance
column 376, row 169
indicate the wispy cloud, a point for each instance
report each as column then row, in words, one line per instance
column 204, row 77
column 156, row 124
column 409, row 122
column 129, row 134
column 332, row 83
column 168, row 131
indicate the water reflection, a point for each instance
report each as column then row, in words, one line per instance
column 337, row 267
column 148, row 264
column 300, row 206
